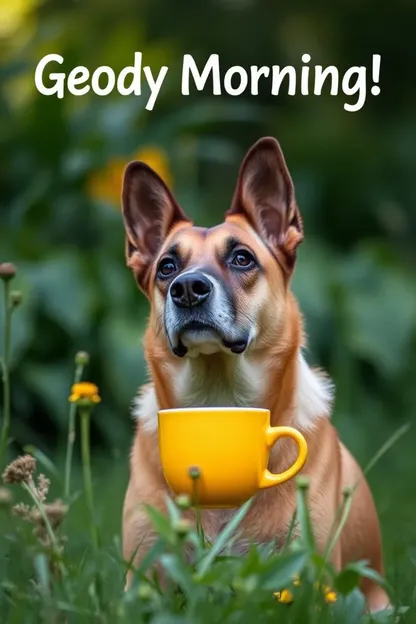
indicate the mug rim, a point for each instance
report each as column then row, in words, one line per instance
column 214, row 409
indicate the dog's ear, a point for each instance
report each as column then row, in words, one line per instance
column 149, row 213
column 265, row 197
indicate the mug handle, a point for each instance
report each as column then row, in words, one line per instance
column 268, row 479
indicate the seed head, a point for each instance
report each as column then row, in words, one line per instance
column 145, row 592
column 194, row 472
column 82, row 358
column 302, row 482
column 16, row 298
column 347, row 492
column 182, row 527
column 183, row 501
column 21, row 469
column 7, row 271
column 55, row 512
column 22, row 510
column 43, row 487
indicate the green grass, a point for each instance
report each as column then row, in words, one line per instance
column 212, row 587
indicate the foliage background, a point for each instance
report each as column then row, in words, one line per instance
column 355, row 178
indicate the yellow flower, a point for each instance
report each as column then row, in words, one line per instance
column 284, row 596
column 330, row 595
column 84, row 390
column 106, row 185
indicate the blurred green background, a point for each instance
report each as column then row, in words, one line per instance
column 60, row 173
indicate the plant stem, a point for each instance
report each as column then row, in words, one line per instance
column 54, row 543
column 86, row 465
column 199, row 529
column 71, row 435
column 45, row 519
column 344, row 513
column 6, row 374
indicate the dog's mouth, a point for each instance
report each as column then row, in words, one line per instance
column 206, row 338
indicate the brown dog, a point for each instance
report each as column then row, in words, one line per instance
column 225, row 330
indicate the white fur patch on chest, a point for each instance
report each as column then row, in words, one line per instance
column 145, row 408
column 314, row 395
column 246, row 387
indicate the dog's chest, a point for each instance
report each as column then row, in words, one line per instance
column 242, row 384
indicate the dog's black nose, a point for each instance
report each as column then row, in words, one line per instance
column 190, row 290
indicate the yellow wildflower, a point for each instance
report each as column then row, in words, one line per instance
column 330, row 595
column 284, row 596
column 106, row 185
column 84, row 390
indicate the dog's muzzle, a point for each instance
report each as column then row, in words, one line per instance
column 200, row 317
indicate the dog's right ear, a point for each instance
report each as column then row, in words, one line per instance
column 149, row 213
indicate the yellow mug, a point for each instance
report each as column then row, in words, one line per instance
column 230, row 446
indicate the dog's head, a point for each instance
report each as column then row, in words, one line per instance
column 222, row 288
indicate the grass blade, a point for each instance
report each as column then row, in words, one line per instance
column 225, row 535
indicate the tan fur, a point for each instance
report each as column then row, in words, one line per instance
column 271, row 374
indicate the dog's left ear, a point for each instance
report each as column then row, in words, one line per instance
column 265, row 197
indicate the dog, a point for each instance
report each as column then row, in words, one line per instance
column 226, row 330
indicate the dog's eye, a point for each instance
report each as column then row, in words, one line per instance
column 243, row 259
column 166, row 267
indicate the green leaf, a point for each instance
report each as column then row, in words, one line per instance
column 222, row 539
column 281, row 570
column 161, row 522
column 349, row 610
column 42, row 571
column 349, row 578
column 346, row 581
column 387, row 616
column 362, row 568
column 151, row 556
column 304, row 519
column 174, row 513
column 219, row 575
column 178, row 572
column 251, row 562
